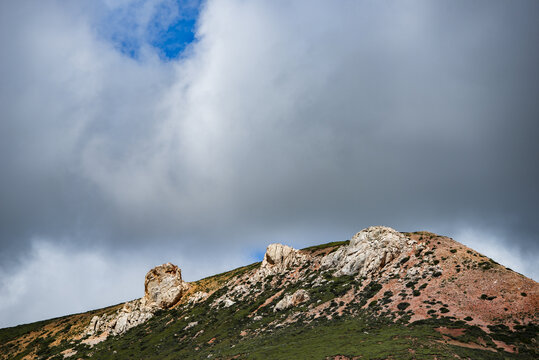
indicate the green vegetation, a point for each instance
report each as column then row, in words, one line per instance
column 365, row 336
column 336, row 244
column 403, row 306
column 404, row 260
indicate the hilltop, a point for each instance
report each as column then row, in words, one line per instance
column 382, row 294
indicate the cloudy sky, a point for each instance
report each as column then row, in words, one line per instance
column 136, row 132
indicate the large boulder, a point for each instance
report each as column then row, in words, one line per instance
column 164, row 286
column 369, row 251
column 279, row 258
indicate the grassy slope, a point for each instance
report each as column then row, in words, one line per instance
column 163, row 337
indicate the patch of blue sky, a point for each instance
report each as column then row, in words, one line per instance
column 258, row 255
column 173, row 41
column 168, row 27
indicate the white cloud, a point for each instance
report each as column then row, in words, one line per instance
column 58, row 279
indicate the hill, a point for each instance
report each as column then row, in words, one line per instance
column 381, row 295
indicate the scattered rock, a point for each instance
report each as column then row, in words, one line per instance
column 197, row 297
column 190, row 325
column 289, row 301
column 226, row 302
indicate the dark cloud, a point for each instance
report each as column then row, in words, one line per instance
column 300, row 123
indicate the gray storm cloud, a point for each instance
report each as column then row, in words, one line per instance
column 296, row 122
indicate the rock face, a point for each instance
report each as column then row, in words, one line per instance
column 164, row 285
column 294, row 299
column 369, row 250
column 163, row 288
column 280, row 257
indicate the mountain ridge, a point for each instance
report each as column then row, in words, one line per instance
column 463, row 300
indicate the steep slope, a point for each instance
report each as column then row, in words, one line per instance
column 383, row 294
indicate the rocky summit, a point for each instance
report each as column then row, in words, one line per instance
column 381, row 295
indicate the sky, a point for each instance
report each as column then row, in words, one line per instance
column 138, row 132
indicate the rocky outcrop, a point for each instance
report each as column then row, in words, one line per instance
column 131, row 314
column 278, row 258
column 164, row 286
column 369, row 251
column 291, row 300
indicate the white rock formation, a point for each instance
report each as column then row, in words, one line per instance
column 291, row 300
column 369, row 251
column 164, row 285
column 131, row 314
column 279, row 258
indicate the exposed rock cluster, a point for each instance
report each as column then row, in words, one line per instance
column 131, row 314
column 372, row 250
column 369, row 250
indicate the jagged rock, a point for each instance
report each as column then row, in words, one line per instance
column 131, row 314
column 369, row 250
column 164, row 285
column 92, row 327
column 121, row 323
column 279, row 258
column 294, row 299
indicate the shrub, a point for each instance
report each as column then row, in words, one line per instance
column 485, row 265
column 402, row 306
